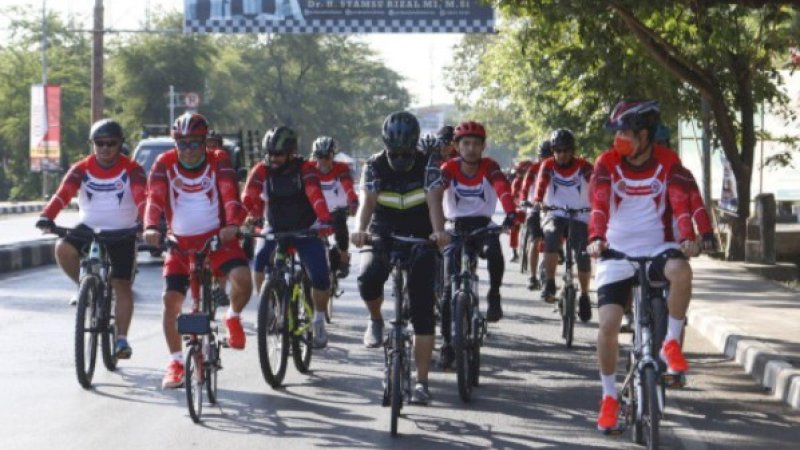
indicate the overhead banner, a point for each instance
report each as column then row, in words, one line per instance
column 45, row 138
column 337, row 16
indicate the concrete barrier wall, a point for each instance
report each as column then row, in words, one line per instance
column 26, row 255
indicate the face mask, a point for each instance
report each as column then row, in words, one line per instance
column 623, row 145
column 401, row 161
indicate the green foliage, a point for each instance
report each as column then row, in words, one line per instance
column 319, row 84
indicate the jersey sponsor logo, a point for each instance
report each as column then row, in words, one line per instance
column 203, row 185
column 655, row 187
column 566, row 183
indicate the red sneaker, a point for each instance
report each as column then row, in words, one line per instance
column 173, row 379
column 609, row 415
column 236, row 337
column 672, row 354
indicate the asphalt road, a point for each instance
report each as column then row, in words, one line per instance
column 535, row 393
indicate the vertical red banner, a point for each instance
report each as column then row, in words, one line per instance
column 45, row 136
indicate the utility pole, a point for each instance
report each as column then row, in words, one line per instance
column 705, row 111
column 97, row 62
column 42, row 166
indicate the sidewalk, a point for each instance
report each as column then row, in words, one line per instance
column 752, row 320
column 21, row 207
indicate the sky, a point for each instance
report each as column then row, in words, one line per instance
column 419, row 58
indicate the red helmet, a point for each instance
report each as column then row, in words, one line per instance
column 189, row 124
column 469, row 128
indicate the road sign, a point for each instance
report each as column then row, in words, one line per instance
column 191, row 99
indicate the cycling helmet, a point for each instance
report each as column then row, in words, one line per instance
column 189, row 124
column 469, row 128
column 214, row 136
column 544, row 149
column 429, row 144
column 400, row 131
column 107, row 128
column 562, row 138
column 323, row 146
column 280, row 140
column 445, row 134
column 634, row 115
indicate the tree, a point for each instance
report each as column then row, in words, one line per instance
column 583, row 55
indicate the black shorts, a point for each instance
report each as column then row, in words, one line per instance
column 555, row 229
column 121, row 252
column 619, row 292
column 534, row 224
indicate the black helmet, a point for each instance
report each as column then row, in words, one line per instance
column 428, row 144
column 562, row 138
column 323, row 146
column 280, row 140
column 544, row 149
column 445, row 134
column 400, row 131
column 106, row 127
column 214, row 136
column 634, row 115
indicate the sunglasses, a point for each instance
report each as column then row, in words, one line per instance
column 188, row 145
column 106, row 143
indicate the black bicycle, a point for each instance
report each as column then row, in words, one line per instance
column 468, row 328
column 398, row 342
column 643, row 391
column 334, row 254
column 95, row 317
column 566, row 301
column 199, row 328
column 285, row 311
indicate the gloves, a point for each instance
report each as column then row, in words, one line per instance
column 509, row 220
column 45, row 224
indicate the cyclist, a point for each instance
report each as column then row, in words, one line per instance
column 637, row 188
column 520, row 169
column 111, row 191
column 214, row 145
column 285, row 189
column 342, row 200
column 198, row 194
column 534, row 220
column 448, row 148
column 563, row 181
column 394, row 200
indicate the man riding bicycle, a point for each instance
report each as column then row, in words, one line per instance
column 472, row 185
column 534, row 219
column 285, row 189
column 395, row 202
column 637, row 187
column 342, row 200
column 563, row 181
column 199, row 194
column 111, row 191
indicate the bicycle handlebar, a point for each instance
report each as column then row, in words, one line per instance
column 212, row 243
column 489, row 229
column 610, row 253
column 373, row 240
column 101, row 235
column 566, row 209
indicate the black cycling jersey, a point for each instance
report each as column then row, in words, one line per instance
column 402, row 207
column 288, row 208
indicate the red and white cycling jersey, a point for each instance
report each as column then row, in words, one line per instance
column 633, row 207
column 567, row 187
column 529, row 182
column 194, row 201
column 475, row 196
column 337, row 186
column 108, row 198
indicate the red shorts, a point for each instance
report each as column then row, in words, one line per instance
column 177, row 262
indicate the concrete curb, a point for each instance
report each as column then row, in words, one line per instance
column 22, row 208
column 770, row 369
column 25, row 255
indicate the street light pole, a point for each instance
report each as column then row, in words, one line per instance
column 97, row 62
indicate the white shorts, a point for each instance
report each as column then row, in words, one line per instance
column 612, row 270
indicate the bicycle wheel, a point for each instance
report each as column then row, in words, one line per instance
column 523, row 264
column 273, row 335
column 211, row 367
column 208, row 304
column 86, row 331
column 475, row 356
column 461, row 345
column 301, row 310
column 108, row 324
column 568, row 315
column 334, row 288
column 631, row 397
column 652, row 410
column 396, row 388
column 193, row 381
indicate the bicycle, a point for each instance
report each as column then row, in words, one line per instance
column 285, row 311
column 566, row 301
column 468, row 324
column 334, row 254
column 199, row 329
column 96, row 311
column 398, row 342
column 643, row 391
